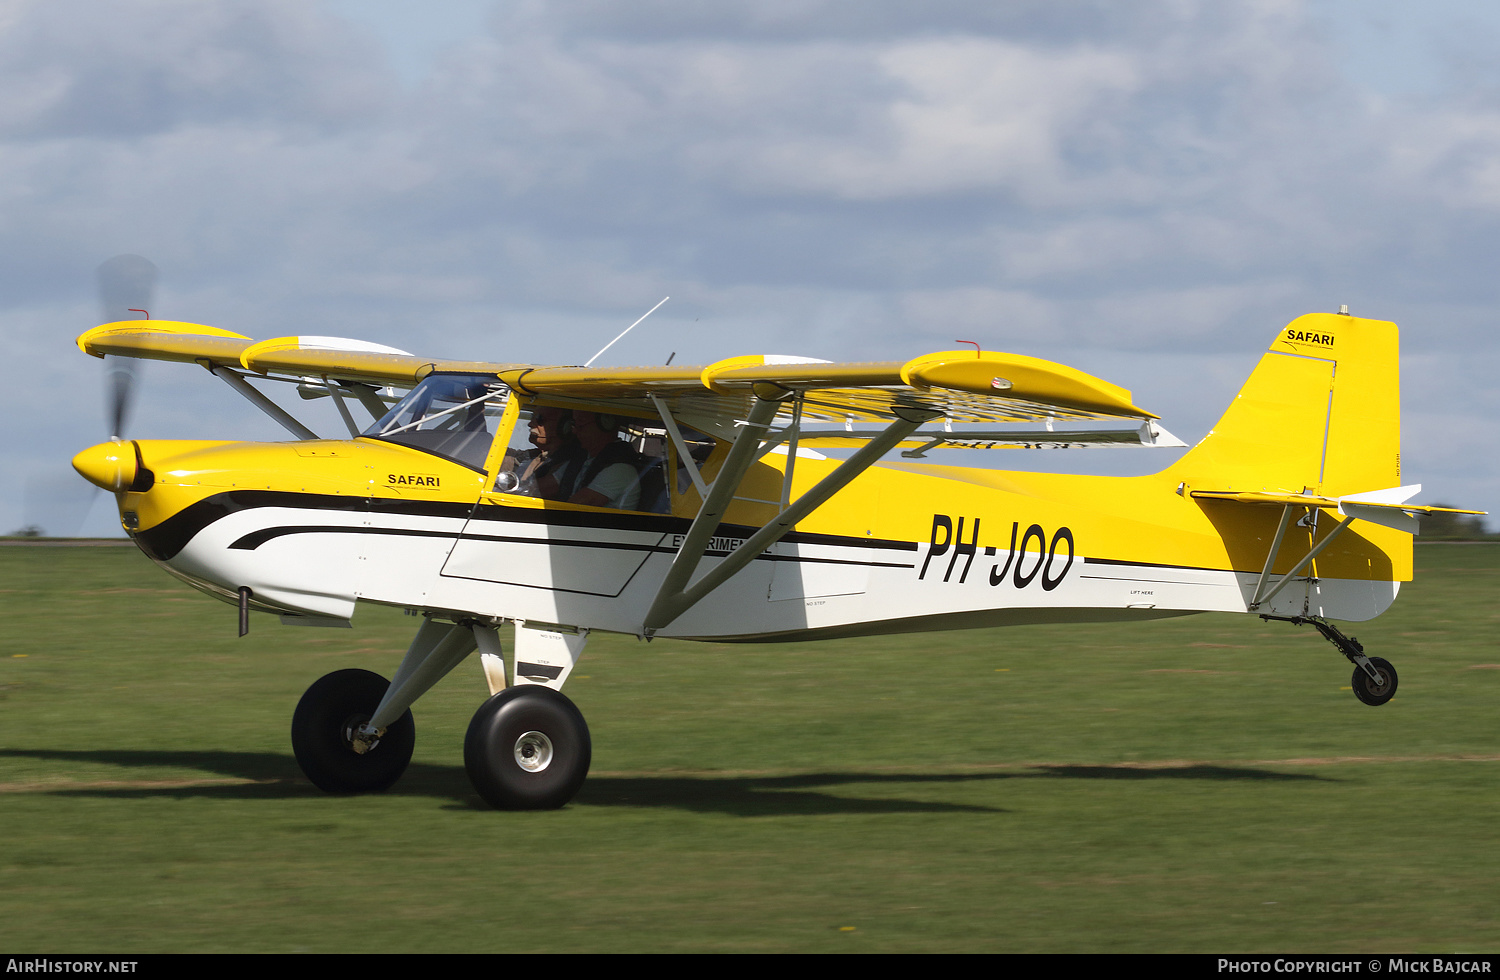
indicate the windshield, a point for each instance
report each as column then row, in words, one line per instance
column 448, row 415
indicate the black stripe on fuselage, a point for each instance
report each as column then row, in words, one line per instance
column 255, row 539
column 166, row 539
column 1149, row 564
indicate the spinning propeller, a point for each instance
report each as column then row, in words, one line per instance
column 56, row 501
column 126, row 284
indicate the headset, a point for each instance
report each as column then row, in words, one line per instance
column 564, row 419
column 565, row 424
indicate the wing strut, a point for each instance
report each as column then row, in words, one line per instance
column 337, row 391
column 684, row 457
column 237, row 381
column 675, row 596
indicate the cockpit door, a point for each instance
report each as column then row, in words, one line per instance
column 515, row 539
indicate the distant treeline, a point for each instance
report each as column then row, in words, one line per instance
column 1454, row 527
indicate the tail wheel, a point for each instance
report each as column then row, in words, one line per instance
column 323, row 726
column 527, row 748
column 1374, row 692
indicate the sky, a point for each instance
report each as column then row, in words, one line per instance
column 1146, row 191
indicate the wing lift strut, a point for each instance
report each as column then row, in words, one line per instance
column 308, row 388
column 678, row 593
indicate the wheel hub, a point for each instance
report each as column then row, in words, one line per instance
column 358, row 734
column 533, row 751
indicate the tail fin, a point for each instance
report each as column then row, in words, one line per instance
column 1321, row 412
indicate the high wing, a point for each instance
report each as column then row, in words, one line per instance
column 319, row 366
column 962, row 386
column 959, row 386
column 337, row 358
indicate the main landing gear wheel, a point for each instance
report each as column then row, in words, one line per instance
column 1375, row 692
column 527, row 748
column 323, row 727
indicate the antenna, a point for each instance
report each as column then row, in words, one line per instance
column 590, row 361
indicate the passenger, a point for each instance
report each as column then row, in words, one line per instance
column 607, row 473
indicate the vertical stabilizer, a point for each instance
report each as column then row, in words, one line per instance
column 1321, row 412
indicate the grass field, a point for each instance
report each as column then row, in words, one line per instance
column 1207, row 784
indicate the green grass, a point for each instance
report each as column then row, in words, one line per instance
column 1204, row 784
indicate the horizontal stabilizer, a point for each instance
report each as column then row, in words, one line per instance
column 1389, row 497
column 1382, row 514
column 1387, row 507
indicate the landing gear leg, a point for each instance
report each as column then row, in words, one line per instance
column 528, row 746
column 1374, row 679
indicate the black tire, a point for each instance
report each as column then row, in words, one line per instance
column 527, row 748
column 1371, row 692
column 328, row 713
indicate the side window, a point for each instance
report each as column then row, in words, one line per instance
column 599, row 459
column 700, row 447
column 521, row 459
column 654, row 465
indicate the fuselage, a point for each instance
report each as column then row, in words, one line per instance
column 312, row 528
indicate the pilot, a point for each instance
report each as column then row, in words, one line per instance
column 536, row 470
column 607, row 473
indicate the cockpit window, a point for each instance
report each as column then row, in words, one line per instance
column 544, row 459
column 448, row 415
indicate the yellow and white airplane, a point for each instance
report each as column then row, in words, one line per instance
column 693, row 502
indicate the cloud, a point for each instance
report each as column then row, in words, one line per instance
column 73, row 68
column 649, row 21
column 1172, row 179
column 944, row 117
